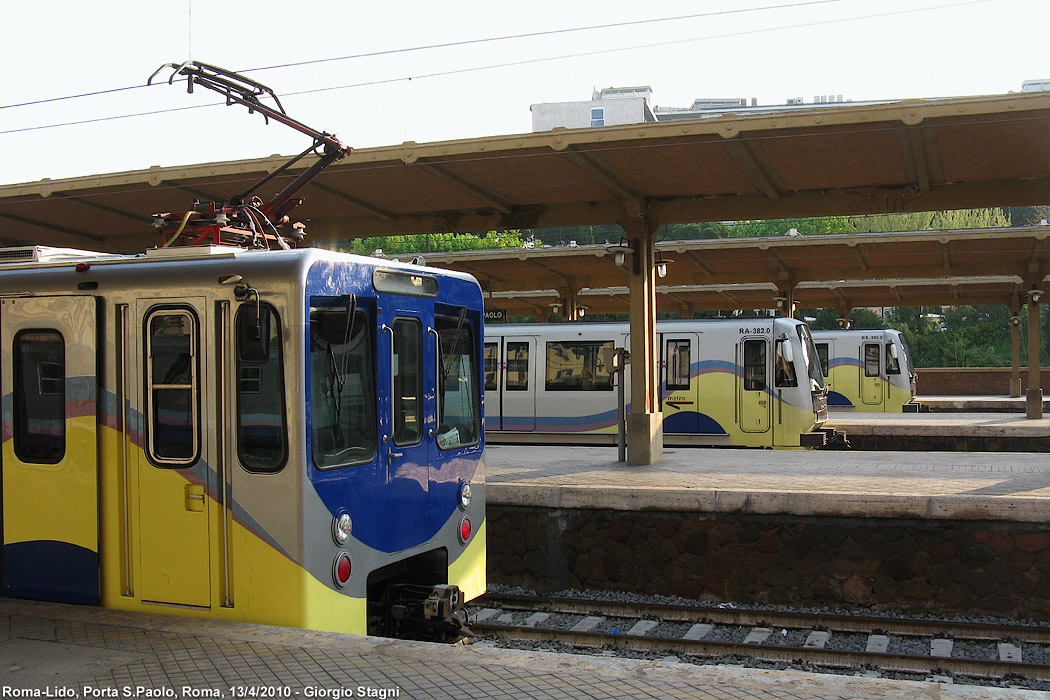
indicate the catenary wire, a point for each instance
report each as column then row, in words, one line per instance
column 451, row 44
column 510, row 64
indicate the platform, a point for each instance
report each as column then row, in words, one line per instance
column 851, row 483
column 62, row 650
column 978, row 404
column 948, row 431
column 902, row 533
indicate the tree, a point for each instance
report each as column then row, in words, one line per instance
column 931, row 220
column 780, row 227
column 432, row 242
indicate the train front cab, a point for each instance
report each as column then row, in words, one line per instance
column 867, row 371
column 780, row 397
column 156, row 455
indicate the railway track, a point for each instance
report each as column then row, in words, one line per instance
column 913, row 646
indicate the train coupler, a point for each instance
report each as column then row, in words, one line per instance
column 431, row 613
column 836, row 439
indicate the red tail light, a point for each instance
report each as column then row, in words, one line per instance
column 341, row 569
column 464, row 530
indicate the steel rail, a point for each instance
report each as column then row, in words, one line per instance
column 832, row 658
column 769, row 618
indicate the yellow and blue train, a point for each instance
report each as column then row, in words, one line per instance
column 867, row 371
column 747, row 382
column 289, row 437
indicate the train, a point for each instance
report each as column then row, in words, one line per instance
column 867, row 370
column 288, row 437
column 743, row 382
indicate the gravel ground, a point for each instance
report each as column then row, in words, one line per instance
column 1034, row 653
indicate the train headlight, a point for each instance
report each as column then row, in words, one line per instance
column 342, row 526
column 464, row 495
column 341, row 569
column 464, row 530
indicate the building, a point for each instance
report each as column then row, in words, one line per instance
column 633, row 105
column 608, row 107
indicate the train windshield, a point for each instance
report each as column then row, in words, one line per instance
column 342, row 389
column 810, row 356
column 459, row 395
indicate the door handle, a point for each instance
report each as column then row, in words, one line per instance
column 195, row 498
column 391, row 454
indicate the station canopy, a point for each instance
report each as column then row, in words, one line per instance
column 985, row 266
column 913, row 155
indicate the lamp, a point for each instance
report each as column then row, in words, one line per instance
column 620, row 252
column 555, row 307
column 1035, row 294
column 661, row 264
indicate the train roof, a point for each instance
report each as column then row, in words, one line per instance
column 26, row 258
column 670, row 323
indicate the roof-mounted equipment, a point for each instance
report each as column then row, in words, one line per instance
column 244, row 219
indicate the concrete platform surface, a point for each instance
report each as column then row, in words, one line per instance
column 974, row 425
column 79, row 652
column 975, row 404
column 927, row 485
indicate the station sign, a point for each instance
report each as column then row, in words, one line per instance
column 495, row 314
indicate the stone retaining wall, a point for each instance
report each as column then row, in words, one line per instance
column 908, row 566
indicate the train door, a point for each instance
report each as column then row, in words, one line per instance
column 410, row 375
column 173, row 530
column 518, row 394
column 493, row 384
column 49, row 459
column 825, row 351
column 753, row 393
column 681, row 403
column 871, row 389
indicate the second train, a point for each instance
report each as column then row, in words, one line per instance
column 753, row 382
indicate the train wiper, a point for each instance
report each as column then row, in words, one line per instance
column 455, row 341
column 339, row 367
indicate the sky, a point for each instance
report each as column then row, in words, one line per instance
column 384, row 89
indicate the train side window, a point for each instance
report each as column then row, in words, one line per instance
column 822, row 353
column 678, row 363
column 40, row 396
column 407, row 375
column 517, row 366
column 261, row 433
column 459, row 396
column 491, row 366
column 893, row 365
column 754, row 365
column 785, row 371
column 342, row 388
column 871, row 360
column 578, row 366
column 172, row 393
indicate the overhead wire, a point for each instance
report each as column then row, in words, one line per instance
column 508, row 64
column 450, row 44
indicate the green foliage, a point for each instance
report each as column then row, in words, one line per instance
column 931, row 220
column 975, row 336
column 433, row 242
column 828, row 319
column 779, row 227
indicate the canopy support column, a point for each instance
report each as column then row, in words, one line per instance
column 1034, row 396
column 645, row 436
